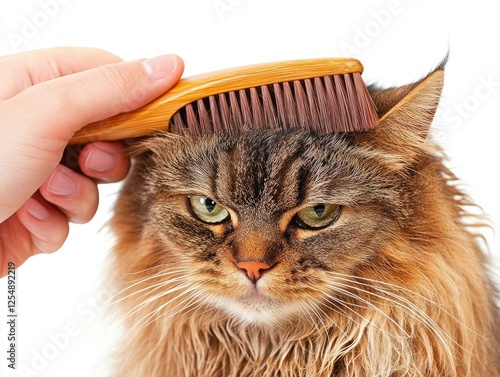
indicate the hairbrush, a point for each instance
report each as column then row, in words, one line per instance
column 323, row 95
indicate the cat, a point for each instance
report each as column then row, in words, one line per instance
column 286, row 253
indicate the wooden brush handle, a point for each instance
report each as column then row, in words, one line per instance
column 156, row 115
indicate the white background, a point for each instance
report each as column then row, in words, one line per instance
column 397, row 41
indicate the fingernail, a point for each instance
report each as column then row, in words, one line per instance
column 61, row 184
column 100, row 161
column 160, row 67
column 36, row 210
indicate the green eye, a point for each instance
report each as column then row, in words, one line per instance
column 318, row 216
column 207, row 210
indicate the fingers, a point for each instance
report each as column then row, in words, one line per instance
column 105, row 162
column 38, row 122
column 73, row 194
column 65, row 196
column 76, row 195
column 47, row 226
column 61, row 107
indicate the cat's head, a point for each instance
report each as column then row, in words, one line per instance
column 268, row 225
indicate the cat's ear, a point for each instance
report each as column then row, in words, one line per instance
column 406, row 114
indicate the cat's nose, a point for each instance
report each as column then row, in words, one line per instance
column 253, row 269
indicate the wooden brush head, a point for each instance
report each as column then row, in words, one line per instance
column 324, row 95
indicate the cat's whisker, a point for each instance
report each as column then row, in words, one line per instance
column 206, row 302
column 156, row 297
column 148, row 289
column 158, row 266
column 202, row 302
column 306, row 309
column 375, row 284
column 337, row 301
column 407, row 304
column 412, row 313
column 415, row 312
column 397, row 288
column 366, row 322
column 334, row 301
column 141, row 303
column 369, row 305
column 394, row 287
column 167, row 315
column 132, row 312
column 144, row 302
column 161, row 274
column 349, row 340
column 146, row 319
column 320, row 314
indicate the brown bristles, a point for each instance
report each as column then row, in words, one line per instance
column 329, row 104
column 326, row 95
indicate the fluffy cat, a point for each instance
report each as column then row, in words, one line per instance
column 278, row 253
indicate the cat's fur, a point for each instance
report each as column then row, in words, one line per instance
column 396, row 286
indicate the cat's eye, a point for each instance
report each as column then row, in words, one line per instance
column 318, row 216
column 207, row 209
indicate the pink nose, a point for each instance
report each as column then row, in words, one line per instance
column 253, row 269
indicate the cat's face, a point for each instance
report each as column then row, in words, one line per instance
column 268, row 225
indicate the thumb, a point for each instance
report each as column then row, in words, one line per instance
column 62, row 106
column 38, row 122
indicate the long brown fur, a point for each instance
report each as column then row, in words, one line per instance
column 397, row 286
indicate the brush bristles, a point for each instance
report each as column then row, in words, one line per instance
column 338, row 103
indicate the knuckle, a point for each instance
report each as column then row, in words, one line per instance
column 127, row 82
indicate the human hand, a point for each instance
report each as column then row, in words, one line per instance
column 45, row 97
